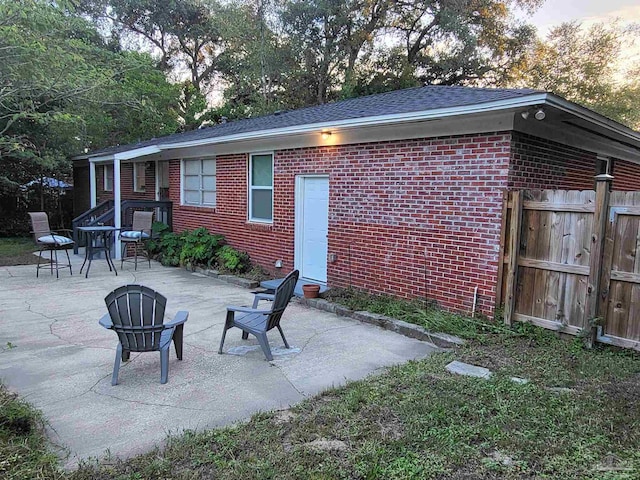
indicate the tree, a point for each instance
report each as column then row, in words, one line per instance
column 461, row 41
column 581, row 65
column 184, row 34
column 63, row 90
column 327, row 38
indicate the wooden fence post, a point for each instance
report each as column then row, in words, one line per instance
column 503, row 239
column 514, row 249
column 603, row 193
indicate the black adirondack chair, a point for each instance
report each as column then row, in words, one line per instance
column 258, row 322
column 136, row 314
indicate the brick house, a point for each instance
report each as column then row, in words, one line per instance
column 398, row 193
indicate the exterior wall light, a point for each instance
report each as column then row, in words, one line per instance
column 540, row 115
column 325, row 135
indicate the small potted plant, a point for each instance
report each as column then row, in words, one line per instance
column 310, row 290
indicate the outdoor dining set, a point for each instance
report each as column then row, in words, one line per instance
column 136, row 313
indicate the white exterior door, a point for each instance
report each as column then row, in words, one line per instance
column 312, row 227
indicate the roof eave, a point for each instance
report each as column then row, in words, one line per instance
column 533, row 99
column 424, row 115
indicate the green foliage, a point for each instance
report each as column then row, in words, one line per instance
column 158, row 230
column 581, row 64
column 199, row 248
column 23, row 445
column 170, row 248
column 417, row 421
column 232, row 260
column 65, row 89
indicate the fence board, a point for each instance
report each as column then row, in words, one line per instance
column 577, row 257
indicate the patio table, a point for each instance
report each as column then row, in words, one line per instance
column 98, row 239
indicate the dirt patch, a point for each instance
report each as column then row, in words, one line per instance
column 21, row 259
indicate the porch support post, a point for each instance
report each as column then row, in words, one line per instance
column 600, row 215
column 93, row 189
column 117, row 203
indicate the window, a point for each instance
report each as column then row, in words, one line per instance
column 261, row 187
column 139, row 171
column 199, row 182
column 604, row 165
column 108, row 178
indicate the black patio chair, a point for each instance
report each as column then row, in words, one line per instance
column 136, row 314
column 258, row 322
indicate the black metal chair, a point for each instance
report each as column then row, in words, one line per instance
column 136, row 314
column 258, row 322
column 49, row 240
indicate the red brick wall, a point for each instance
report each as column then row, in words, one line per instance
column 390, row 203
column 126, row 184
column 542, row 164
column 626, row 176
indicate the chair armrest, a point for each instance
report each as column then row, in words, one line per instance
column 262, row 296
column 181, row 317
column 106, row 322
column 265, row 296
column 233, row 308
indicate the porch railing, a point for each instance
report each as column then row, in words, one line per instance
column 104, row 214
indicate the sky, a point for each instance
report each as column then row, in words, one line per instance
column 554, row 12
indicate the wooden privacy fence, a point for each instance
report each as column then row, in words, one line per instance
column 571, row 262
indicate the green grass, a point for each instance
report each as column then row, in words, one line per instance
column 414, row 311
column 13, row 246
column 17, row 251
column 418, row 421
column 23, row 449
column 577, row 418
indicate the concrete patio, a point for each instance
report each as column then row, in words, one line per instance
column 56, row 356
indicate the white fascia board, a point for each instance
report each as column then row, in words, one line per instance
column 126, row 155
column 525, row 101
column 591, row 116
column 102, row 159
column 139, row 152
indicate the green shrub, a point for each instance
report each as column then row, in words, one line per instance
column 170, row 247
column 158, row 230
column 233, row 260
column 200, row 248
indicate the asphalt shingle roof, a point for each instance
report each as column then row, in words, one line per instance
column 397, row 102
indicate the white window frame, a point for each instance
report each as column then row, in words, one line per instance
column 107, row 178
column 136, row 186
column 251, row 188
column 201, row 189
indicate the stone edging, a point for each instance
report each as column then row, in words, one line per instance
column 442, row 340
column 241, row 282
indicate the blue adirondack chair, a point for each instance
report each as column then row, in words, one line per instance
column 136, row 314
column 258, row 322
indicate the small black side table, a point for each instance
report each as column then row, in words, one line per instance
column 92, row 235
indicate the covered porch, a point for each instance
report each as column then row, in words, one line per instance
column 137, row 180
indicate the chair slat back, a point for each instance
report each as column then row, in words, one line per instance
column 142, row 221
column 39, row 224
column 281, row 299
column 137, row 314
